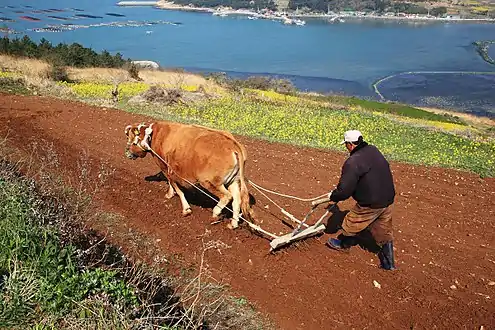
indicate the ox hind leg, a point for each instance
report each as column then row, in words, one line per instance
column 186, row 208
column 235, row 190
column 224, row 196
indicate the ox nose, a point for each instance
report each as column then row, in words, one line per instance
column 129, row 154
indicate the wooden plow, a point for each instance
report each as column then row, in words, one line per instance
column 303, row 230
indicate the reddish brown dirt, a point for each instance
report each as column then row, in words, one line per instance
column 444, row 229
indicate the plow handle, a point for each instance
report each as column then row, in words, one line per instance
column 320, row 201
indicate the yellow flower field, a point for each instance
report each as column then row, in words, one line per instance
column 89, row 90
column 322, row 127
column 310, row 122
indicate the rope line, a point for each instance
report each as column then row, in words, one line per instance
column 252, row 225
column 284, row 195
column 256, row 186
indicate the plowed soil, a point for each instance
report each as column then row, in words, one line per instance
column 444, row 223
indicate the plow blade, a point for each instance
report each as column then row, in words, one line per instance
column 291, row 237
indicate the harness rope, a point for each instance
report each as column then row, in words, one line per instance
column 252, row 225
column 144, row 145
column 258, row 187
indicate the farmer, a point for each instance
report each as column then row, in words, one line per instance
column 367, row 178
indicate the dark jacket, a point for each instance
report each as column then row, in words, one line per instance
column 366, row 176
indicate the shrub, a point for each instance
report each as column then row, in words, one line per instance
column 13, row 85
column 58, row 73
column 161, row 95
column 134, row 71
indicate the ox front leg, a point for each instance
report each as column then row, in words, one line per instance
column 235, row 190
column 186, row 208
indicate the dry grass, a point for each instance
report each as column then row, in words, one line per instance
column 28, row 67
column 187, row 301
column 35, row 72
column 472, row 119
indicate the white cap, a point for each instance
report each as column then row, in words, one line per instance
column 351, row 136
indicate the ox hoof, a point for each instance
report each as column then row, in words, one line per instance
column 168, row 196
column 215, row 219
column 233, row 226
column 186, row 212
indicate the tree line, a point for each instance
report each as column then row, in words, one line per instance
column 364, row 5
column 74, row 54
column 236, row 4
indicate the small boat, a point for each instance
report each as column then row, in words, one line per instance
column 219, row 13
column 287, row 21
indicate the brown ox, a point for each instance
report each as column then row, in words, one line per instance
column 190, row 155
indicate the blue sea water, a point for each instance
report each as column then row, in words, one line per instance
column 345, row 58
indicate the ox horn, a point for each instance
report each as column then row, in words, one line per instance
column 127, row 129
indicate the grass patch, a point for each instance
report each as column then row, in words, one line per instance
column 318, row 126
column 55, row 273
column 43, row 282
column 404, row 110
column 391, row 108
column 13, row 85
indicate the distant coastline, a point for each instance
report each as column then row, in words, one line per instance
column 277, row 15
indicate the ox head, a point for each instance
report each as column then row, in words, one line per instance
column 138, row 140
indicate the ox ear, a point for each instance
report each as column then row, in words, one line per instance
column 127, row 129
column 148, row 130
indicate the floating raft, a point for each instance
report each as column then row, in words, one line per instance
column 60, row 18
column 9, row 31
column 69, row 27
column 47, row 29
column 6, row 19
column 88, row 16
column 115, row 14
column 30, row 18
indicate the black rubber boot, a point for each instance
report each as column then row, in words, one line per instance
column 343, row 243
column 386, row 256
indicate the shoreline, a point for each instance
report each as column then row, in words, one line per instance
column 167, row 5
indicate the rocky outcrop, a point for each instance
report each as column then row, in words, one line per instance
column 146, row 65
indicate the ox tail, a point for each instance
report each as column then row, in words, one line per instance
column 247, row 212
